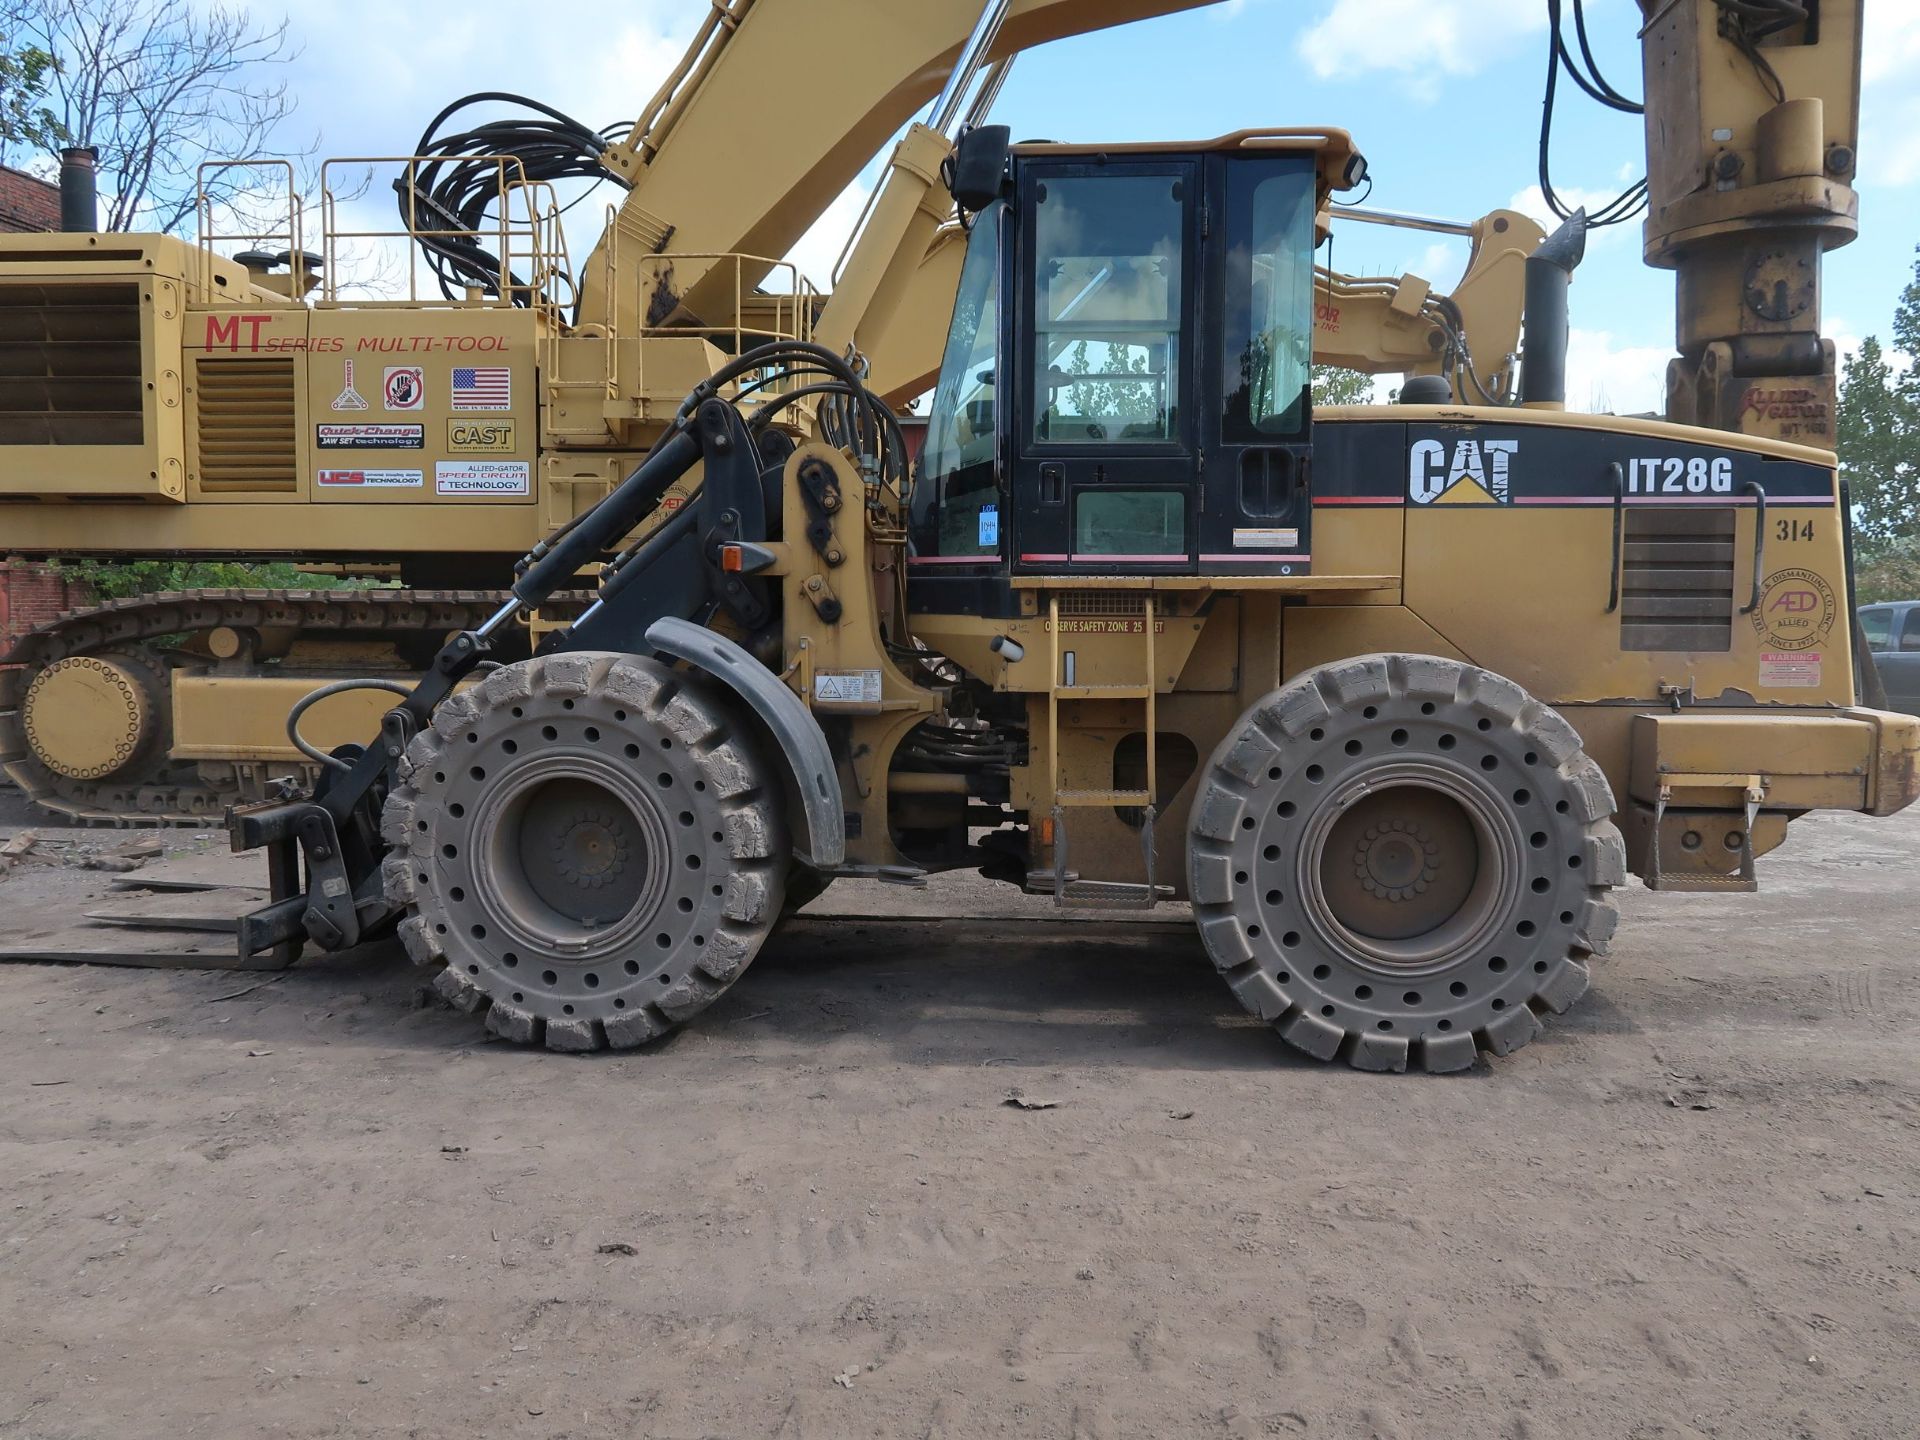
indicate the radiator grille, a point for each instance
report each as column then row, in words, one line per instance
column 247, row 434
column 70, row 364
column 1676, row 579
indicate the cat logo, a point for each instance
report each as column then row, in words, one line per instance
column 1476, row 472
column 480, row 437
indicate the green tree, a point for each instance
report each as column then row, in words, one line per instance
column 1879, row 444
column 117, row 579
column 25, row 73
column 1336, row 385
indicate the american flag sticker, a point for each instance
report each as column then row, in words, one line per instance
column 483, row 387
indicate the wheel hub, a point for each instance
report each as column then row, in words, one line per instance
column 1396, row 861
column 573, row 845
column 1407, row 863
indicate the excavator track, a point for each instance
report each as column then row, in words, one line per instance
column 155, row 790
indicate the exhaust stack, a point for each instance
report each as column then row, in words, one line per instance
column 1543, row 372
column 79, row 196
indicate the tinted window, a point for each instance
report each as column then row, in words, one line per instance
column 1106, row 308
column 1269, row 299
column 957, row 471
column 1877, row 625
column 1910, row 632
column 1130, row 522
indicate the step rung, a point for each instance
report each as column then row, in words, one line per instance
column 1103, row 692
column 1112, row 895
column 1102, row 797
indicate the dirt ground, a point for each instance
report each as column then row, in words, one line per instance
column 320, row 1208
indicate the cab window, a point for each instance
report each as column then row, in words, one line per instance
column 957, row 474
column 1268, row 329
column 1107, row 284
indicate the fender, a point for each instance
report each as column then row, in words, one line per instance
column 798, row 739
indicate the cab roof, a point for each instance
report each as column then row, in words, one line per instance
column 1341, row 166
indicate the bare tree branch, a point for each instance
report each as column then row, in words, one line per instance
column 159, row 87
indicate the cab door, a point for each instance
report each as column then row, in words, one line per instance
column 1103, row 470
column 1257, row 413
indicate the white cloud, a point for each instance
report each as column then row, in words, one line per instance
column 1606, row 377
column 1889, row 102
column 1422, row 39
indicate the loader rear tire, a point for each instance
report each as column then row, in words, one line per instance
column 586, row 847
column 1400, row 860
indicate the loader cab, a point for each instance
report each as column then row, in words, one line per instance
column 1125, row 385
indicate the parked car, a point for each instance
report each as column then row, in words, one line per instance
column 1893, row 635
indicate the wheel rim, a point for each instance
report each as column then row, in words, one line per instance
column 1408, row 865
column 575, row 855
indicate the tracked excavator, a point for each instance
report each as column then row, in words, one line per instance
column 1393, row 696
column 237, row 398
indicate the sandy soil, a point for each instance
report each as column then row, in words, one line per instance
column 322, row 1208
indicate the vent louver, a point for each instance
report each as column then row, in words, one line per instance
column 70, row 364
column 1676, row 580
column 247, row 432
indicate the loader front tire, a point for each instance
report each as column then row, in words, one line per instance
column 587, row 847
column 1400, row 860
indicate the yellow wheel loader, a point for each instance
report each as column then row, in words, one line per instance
column 1394, row 697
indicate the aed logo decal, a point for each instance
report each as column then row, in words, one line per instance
column 1473, row 472
column 1796, row 610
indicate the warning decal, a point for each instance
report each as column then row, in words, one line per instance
column 405, row 387
column 1790, row 670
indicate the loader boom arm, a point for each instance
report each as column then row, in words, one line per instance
column 785, row 162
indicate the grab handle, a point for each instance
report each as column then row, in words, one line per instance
column 1753, row 488
column 1619, row 527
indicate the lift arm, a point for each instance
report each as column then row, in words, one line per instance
column 771, row 114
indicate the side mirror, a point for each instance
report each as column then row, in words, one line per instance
column 979, row 166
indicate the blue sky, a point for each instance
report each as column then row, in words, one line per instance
column 1442, row 95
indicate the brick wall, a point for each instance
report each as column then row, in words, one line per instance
column 27, row 204
column 32, row 594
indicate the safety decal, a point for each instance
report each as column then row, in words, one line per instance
column 1790, row 670
column 480, row 477
column 405, row 387
column 370, row 437
column 1796, row 610
column 349, row 398
column 846, row 687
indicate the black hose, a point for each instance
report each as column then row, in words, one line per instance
column 338, row 687
column 1633, row 200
